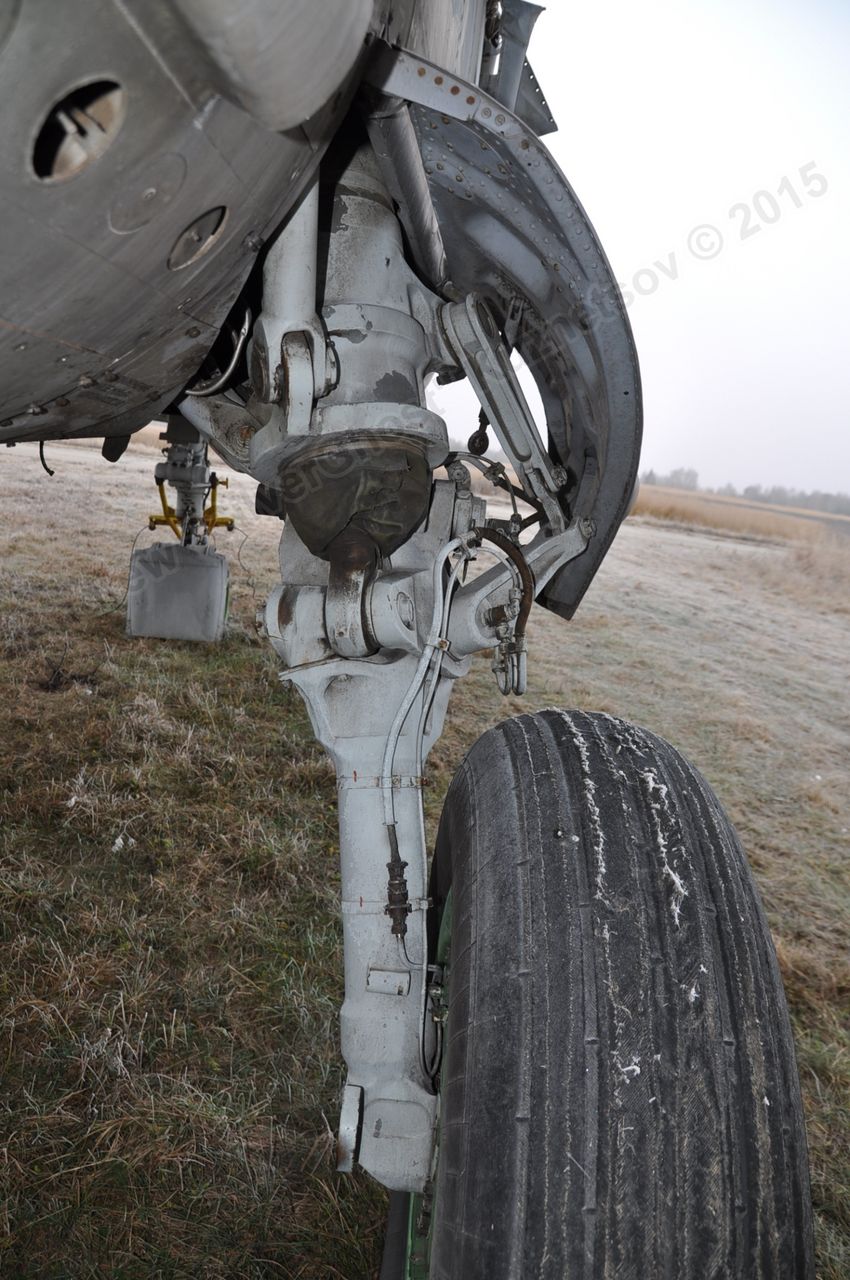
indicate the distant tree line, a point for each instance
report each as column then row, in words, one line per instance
column 776, row 495
column 681, row 478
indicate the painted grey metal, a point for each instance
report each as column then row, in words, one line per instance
column 186, row 470
column 475, row 340
column 375, row 649
column 180, row 591
column 378, row 321
column 382, row 331
column 396, row 147
column 288, row 357
column 531, row 106
column 177, row 593
column 326, row 631
column 449, row 32
column 515, row 27
column 107, row 306
column 99, row 332
column 352, row 705
column 350, row 1120
column 514, row 230
column 302, row 55
column 227, row 422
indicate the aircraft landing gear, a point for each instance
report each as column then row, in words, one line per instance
column 179, row 591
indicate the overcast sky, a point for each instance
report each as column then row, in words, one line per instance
column 671, row 113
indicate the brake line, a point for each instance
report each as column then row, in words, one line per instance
column 398, row 902
column 514, row 554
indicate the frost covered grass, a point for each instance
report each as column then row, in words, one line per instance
column 170, row 969
column 738, row 652
column 169, row 948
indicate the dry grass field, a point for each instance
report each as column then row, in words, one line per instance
column 169, row 947
column 738, row 515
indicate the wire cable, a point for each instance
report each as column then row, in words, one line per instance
column 42, row 458
column 498, row 477
column 427, row 700
column 428, row 668
column 430, row 648
column 113, row 608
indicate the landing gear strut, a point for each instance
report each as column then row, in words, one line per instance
column 179, row 591
column 617, row 1080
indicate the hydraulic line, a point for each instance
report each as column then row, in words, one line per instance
column 437, row 663
column 221, row 382
column 495, row 473
column 398, row 904
column 513, row 552
column 415, row 684
column 428, row 669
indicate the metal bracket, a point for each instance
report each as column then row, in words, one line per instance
column 474, row 340
column 352, row 569
column 186, row 468
column 469, row 628
column 295, row 381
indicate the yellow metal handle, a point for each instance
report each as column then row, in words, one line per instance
column 211, row 517
column 168, row 516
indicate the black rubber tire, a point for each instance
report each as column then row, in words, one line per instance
column 619, row 1092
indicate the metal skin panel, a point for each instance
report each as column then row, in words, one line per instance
column 274, row 57
column 97, row 334
column 97, row 331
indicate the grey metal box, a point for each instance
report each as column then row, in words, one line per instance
column 177, row 593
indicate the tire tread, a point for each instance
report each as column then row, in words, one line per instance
column 628, row 1103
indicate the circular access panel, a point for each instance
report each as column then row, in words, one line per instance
column 148, row 193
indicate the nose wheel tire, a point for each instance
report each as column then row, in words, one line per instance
column 619, row 1094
